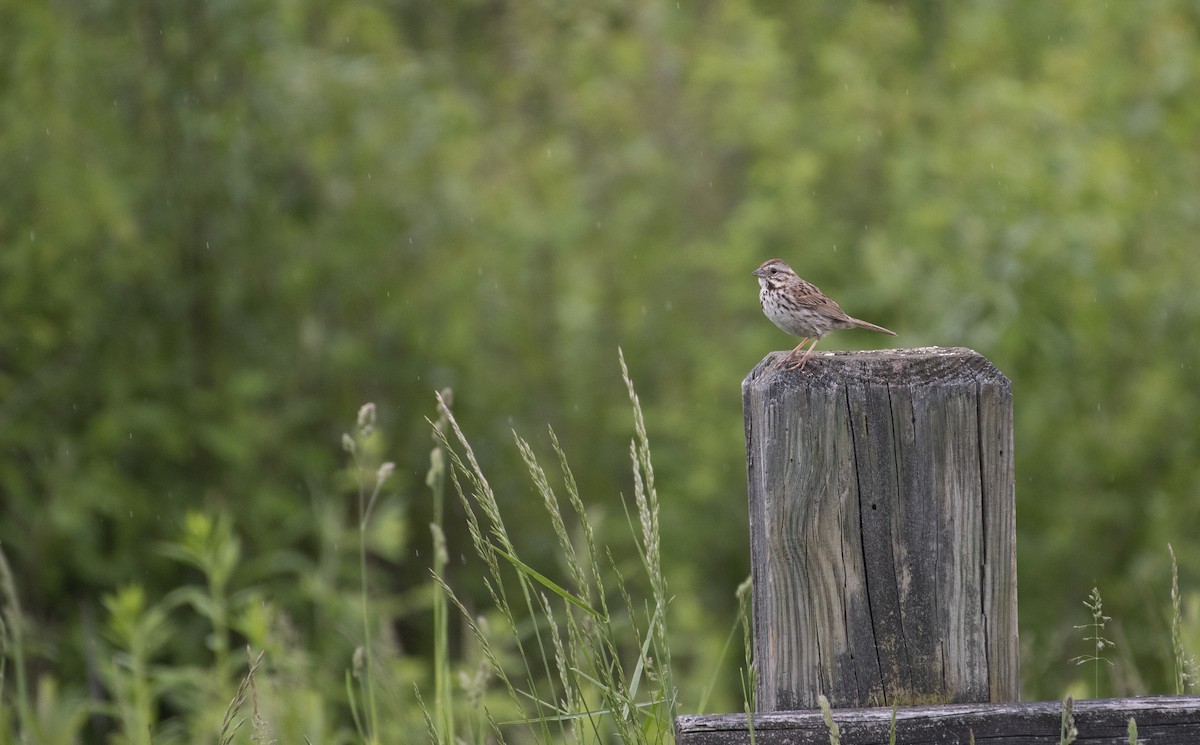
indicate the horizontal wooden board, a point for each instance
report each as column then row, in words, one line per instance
column 1161, row 720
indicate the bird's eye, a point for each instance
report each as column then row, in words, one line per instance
column 774, row 270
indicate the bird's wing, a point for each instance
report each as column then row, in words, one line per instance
column 819, row 301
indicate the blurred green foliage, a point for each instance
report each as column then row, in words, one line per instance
column 225, row 225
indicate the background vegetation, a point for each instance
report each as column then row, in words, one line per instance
column 226, row 225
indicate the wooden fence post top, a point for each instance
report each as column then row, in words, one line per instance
column 896, row 366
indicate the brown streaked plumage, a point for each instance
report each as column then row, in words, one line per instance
column 800, row 309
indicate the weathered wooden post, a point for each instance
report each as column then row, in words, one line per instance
column 882, row 530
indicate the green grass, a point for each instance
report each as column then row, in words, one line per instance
column 11, row 644
column 574, row 651
column 1184, row 664
column 1066, row 729
column 835, row 733
column 579, row 662
column 1095, row 638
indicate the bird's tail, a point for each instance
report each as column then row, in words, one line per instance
column 871, row 327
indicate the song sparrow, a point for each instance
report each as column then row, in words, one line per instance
column 800, row 309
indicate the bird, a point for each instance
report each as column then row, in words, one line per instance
column 800, row 309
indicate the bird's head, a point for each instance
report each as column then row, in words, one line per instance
column 773, row 273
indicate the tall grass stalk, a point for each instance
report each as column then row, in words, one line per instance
column 646, row 497
column 443, row 699
column 232, row 722
column 1185, row 666
column 588, row 669
column 1067, row 732
column 835, row 732
column 749, row 673
column 356, row 446
column 1095, row 605
column 490, row 540
column 738, row 622
column 746, row 617
column 12, row 641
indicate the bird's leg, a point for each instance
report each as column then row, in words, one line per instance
column 792, row 353
column 803, row 359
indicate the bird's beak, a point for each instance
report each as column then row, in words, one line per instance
column 757, row 272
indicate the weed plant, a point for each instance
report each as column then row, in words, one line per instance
column 1100, row 644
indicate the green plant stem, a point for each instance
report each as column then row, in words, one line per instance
column 436, row 481
column 367, row 681
column 14, row 620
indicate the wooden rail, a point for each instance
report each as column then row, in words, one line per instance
column 1160, row 720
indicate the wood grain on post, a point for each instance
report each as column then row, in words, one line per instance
column 882, row 530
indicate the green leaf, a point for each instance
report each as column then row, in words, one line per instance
column 551, row 585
